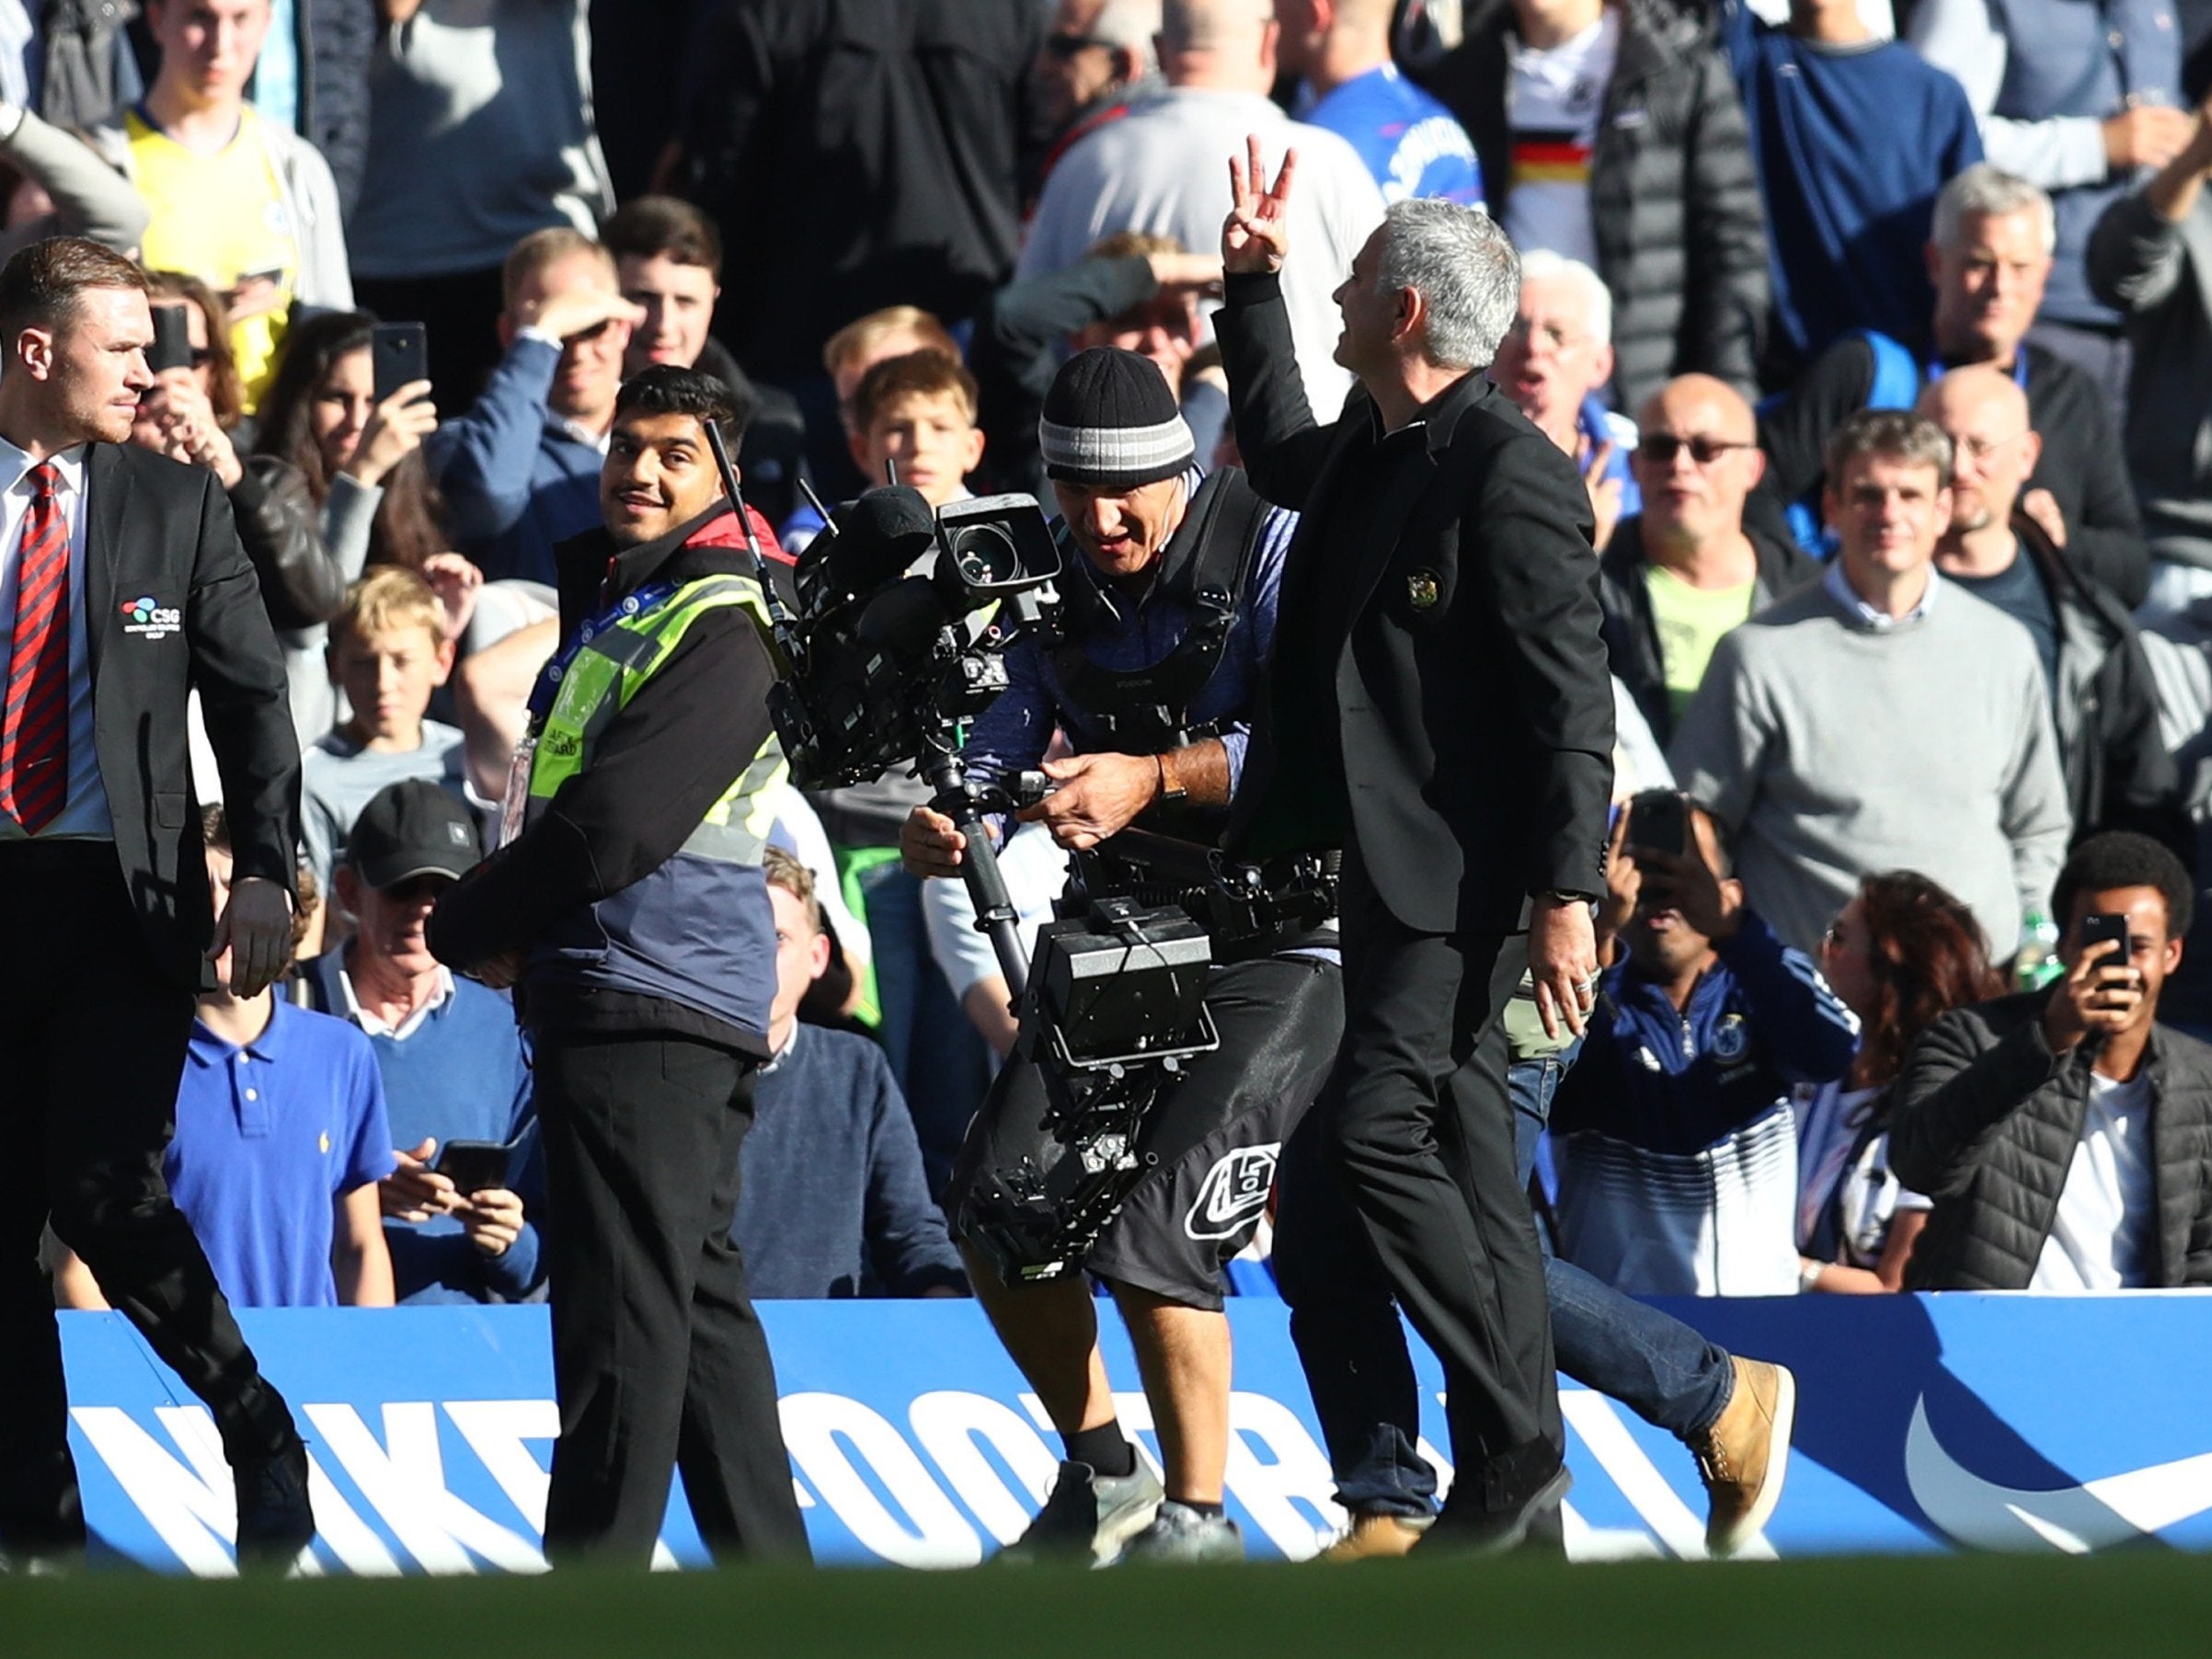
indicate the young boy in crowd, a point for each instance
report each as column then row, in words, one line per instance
column 919, row 411
column 834, row 1202
column 388, row 655
column 281, row 1141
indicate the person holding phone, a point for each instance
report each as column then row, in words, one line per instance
column 356, row 446
column 2060, row 1133
column 1677, row 1170
column 461, row 1206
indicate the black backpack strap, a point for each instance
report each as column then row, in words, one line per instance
column 1209, row 560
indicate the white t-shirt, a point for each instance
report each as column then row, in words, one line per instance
column 1553, row 98
column 2102, row 1237
column 1164, row 168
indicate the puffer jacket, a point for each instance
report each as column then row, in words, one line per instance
column 1681, row 238
column 1986, row 1120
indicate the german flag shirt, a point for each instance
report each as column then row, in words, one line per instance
column 1553, row 98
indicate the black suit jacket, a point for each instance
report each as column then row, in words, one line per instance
column 171, row 604
column 1473, row 701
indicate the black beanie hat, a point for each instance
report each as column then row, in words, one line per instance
column 1110, row 420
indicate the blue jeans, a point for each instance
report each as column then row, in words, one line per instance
column 1369, row 1410
column 940, row 1059
column 1649, row 1361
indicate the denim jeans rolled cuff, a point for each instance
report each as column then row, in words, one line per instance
column 1651, row 1362
column 1390, row 1477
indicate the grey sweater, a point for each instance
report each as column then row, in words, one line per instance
column 1832, row 750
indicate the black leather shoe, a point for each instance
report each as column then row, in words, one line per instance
column 275, row 1522
column 1532, row 1523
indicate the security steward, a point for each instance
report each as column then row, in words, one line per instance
column 628, row 906
column 1167, row 616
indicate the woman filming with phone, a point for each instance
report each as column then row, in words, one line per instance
column 357, row 448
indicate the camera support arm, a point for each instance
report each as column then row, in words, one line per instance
column 968, row 805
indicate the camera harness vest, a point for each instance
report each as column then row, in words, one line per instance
column 1146, row 711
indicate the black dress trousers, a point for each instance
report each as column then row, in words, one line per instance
column 1414, row 1136
column 658, row 1358
column 92, row 1047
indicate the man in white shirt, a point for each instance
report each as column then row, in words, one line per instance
column 1160, row 169
column 2062, row 1134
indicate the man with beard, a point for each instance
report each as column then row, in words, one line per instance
column 629, row 904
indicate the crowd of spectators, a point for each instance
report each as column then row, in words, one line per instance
column 1882, row 338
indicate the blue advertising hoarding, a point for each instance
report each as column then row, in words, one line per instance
column 2017, row 1423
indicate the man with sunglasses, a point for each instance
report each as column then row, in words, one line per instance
column 2118, row 773
column 1688, row 568
column 1097, row 60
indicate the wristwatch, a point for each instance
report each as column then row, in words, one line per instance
column 1171, row 782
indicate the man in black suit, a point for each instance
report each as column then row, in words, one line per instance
column 122, row 586
column 1440, row 707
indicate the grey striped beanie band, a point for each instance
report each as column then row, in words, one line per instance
column 1110, row 420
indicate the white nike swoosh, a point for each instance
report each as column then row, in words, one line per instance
column 2113, row 1509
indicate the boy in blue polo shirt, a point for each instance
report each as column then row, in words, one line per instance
column 280, row 1139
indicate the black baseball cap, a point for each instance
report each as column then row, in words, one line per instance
column 412, row 828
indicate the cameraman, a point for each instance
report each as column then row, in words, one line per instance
column 1153, row 687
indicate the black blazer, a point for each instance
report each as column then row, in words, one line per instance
column 1473, row 704
column 172, row 604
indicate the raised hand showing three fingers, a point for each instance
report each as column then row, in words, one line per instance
column 1256, row 235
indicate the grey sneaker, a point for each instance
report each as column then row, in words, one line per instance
column 1088, row 1517
column 1179, row 1535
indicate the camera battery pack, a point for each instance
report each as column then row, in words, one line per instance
column 1121, row 980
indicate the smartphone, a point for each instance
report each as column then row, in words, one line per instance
column 2103, row 926
column 1661, row 822
column 172, row 346
column 400, row 353
column 474, row 1165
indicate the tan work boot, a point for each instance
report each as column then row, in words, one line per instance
column 1745, row 1455
column 1378, row 1537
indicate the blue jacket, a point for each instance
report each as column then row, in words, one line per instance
column 1679, row 1175
column 1014, row 733
column 516, row 480
column 1761, row 1021
column 460, row 1075
column 1852, row 142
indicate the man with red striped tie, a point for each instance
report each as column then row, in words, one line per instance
column 123, row 587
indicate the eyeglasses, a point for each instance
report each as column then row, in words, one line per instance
column 1661, row 448
column 1066, row 46
column 1978, row 449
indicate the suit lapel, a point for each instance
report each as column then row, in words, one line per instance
column 1379, row 539
column 107, row 489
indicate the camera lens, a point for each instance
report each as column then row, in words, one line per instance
column 985, row 555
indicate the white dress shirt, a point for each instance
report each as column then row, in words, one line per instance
column 84, row 814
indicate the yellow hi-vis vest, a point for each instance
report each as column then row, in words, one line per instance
column 698, row 930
